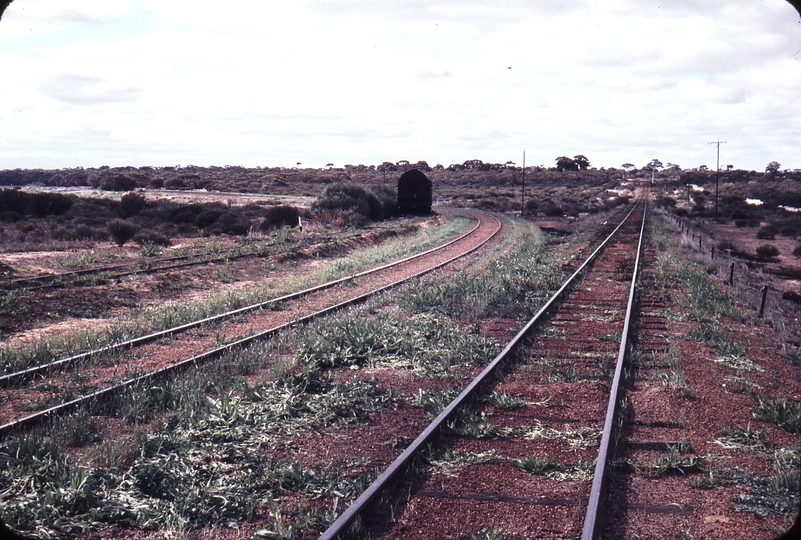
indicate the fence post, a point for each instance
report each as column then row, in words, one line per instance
column 713, row 253
column 731, row 274
column 699, row 243
column 764, row 298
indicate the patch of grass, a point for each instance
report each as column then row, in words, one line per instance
column 778, row 411
column 11, row 303
column 434, row 402
column 674, row 377
column 489, row 533
column 319, row 482
column 505, row 402
column 738, row 437
column 450, row 461
column 777, row 493
column 704, row 299
column 149, row 249
column 81, row 429
column 536, row 465
column 427, row 343
column 711, row 482
column 222, row 276
column 564, row 375
column 84, row 260
column 513, row 286
column 559, row 472
column 576, row 438
column 723, row 344
column 673, row 461
column 468, row 423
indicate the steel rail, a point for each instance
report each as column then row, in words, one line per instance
column 7, row 379
column 148, row 267
column 593, row 521
column 9, row 283
column 399, row 465
column 216, row 352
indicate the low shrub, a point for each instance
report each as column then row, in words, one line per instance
column 209, row 217
column 280, row 216
column 725, row 245
column 767, row 251
column 766, row 233
column 122, row 231
column 349, row 202
column 131, row 204
column 226, row 223
column 797, row 251
column 388, row 198
column 174, row 183
column 553, row 210
column 46, row 204
column 667, row 202
column 118, row 182
column 151, row 237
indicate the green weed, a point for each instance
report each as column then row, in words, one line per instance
column 778, row 493
column 778, row 411
column 564, row 375
column 505, row 402
column 536, row 465
column 675, row 376
column 488, row 533
column 673, row 461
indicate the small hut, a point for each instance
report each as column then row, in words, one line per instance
column 414, row 193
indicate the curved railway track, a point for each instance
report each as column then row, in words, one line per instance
column 153, row 358
column 137, row 267
column 583, row 338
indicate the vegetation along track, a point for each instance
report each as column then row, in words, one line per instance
column 66, row 383
column 268, row 251
column 574, row 371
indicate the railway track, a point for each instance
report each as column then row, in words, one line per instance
column 92, row 376
column 142, row 267
column 573, row 370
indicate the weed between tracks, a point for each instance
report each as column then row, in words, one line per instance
column 197, row 449
column 677, row 459
column 559, row 472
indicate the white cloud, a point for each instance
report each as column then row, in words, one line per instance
column 42, row 16
column 275, row 83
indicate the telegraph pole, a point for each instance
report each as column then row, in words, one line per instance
column 523, row 192
column 717, row 177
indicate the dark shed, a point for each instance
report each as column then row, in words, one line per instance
column 414, row 193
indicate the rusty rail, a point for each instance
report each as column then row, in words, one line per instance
column 218, row 351
column 369, row 496
column 9, row 378
column 592, row 520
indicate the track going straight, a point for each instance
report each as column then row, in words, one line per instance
column 100, row 373
column 524, row 447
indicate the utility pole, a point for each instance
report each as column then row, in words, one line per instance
column 717, row 177
column 523, row 192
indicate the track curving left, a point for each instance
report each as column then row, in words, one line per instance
column 151, row 357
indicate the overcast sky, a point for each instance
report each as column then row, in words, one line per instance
column 273, row 83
